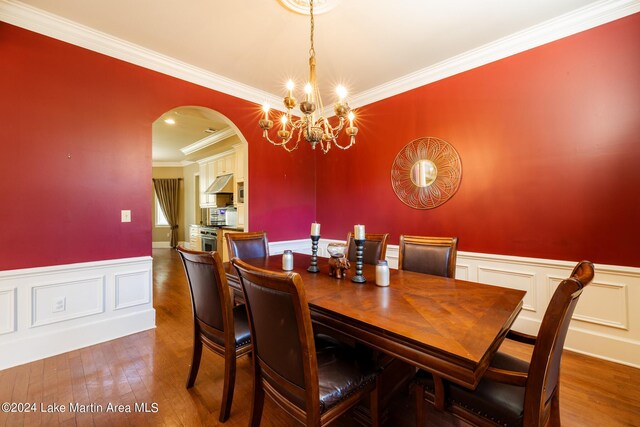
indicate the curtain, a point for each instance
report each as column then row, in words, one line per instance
column 168, row 193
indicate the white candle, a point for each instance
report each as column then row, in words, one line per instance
column 358, row 232
column 290, row 88
column 315, row 229
column 307, row 91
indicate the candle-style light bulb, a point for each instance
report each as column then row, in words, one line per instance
column 266, row 108
column 307, row 90
column 351, row 117
column 342, row 92
column 290, row 88
column 283, row 120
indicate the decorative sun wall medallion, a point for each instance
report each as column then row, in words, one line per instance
column 426, row 173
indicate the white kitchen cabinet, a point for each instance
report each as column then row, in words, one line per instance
column 241, row 213
column 195, row 242
column 226, row 165
column 240, row 158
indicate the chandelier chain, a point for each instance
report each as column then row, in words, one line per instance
column 312, row 51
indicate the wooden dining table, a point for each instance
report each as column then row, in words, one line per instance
column 449, row 327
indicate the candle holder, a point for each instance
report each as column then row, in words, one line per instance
column 359, row 278
column 313, row 268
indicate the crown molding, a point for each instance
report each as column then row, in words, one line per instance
column 34, row 19
column 48, row 24
column 207, row 141
column 565, row 25
column 172, row 164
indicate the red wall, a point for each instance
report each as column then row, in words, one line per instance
column 548, row 140
column 550, row 147
column 75, row 132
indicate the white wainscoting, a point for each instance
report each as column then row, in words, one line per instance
column 606, row 322
column 46, row 311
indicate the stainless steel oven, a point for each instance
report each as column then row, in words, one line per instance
column 209, row 238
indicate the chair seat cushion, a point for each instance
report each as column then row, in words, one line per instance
column 500, row 403
column 241, row 324
column 341, row 371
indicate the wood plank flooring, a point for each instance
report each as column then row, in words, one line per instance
column 151, row 368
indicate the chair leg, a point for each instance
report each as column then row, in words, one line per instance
column 257, row 403
column 229, row 384
column 554, row 416
column 195, row 361
column 375, row 405
column 420, row 410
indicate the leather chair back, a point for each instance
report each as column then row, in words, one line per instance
column 429, row 255
column 544, row 370
column 375, row 248
column 207, row 293
column 217, row 324
column 247, row 245
column 281, row 330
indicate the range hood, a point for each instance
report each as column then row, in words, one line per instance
column 221, row 185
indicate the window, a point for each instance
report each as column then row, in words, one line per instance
column 161, row 220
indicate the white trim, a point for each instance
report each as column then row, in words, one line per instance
column 208, row 141
column 180, row 164
column 89, row 312
column 554, row 29
column 34, row 19
column 217, row 156
column 606, row 323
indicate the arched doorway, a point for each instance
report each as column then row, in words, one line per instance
column 198, row 144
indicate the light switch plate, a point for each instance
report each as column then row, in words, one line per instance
column 126, row 216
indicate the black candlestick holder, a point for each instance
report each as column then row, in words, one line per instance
column 359, row 278
column 313, row 268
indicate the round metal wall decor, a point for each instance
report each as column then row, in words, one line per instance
column 426, row 173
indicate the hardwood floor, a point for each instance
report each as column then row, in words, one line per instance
column 151, row 368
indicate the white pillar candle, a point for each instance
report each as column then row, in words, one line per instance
column 358, row 232
column 315, row 229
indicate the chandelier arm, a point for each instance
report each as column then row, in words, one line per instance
column 277, row 144
column 314, row 127
column 352, row 141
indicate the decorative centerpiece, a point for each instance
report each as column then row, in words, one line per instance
column 338, row 263
column 359, row 239
column 315, row 237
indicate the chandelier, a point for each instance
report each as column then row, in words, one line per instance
column 315, row 128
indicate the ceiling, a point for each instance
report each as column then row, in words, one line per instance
column 260, row 44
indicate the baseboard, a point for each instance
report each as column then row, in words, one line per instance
column 605, row 324
column 63, row 340
column 46, row 311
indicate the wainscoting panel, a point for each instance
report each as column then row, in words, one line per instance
column 605, row 324
column 132, row 289
column 58, row 302
column 523, row 280
column 46, row 311
column 7, row 310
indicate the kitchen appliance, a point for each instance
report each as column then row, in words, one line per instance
column 221, row 185
column 240, row 187
column 223, row 217
column 209, row 238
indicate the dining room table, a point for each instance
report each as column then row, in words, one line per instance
column 449, row 327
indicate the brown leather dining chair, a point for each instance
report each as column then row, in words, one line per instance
column 514, row 392
column 375, row 248
column 314, row 378
column 428, row 255
column 248, row 245
column 217, row 325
